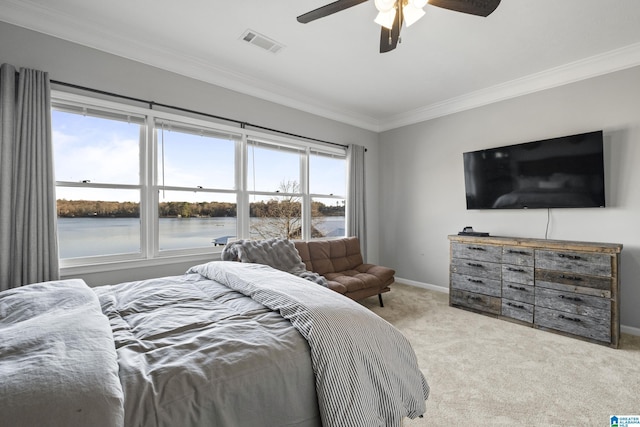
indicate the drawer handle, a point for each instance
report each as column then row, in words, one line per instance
column 573, row 319
column 475, row 248
column 474, row 298
column 474, row 264
column 574, row 278
column 511, row 251
column 518, row 288
column 510, row 304
column 517, row 270
column 475, row 280
column 574, row 257
column 576, row 299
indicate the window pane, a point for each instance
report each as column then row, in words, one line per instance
column 270, row 169
column 327, row 175
column 327, row 217
column 277, row 216
column 95, row 149
column 195, row 220
column 187, row 159
column 94, row 222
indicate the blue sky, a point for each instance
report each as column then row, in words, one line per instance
column 107, row 151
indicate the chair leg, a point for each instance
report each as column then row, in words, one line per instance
column 380, row 298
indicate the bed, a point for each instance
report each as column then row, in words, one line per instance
column 226, row 344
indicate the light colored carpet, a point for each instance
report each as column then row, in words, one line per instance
column 484, row 371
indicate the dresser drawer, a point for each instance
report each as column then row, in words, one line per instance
column 572, row 303
column 517, row 256
column 476, row 252
column 517, row 310
column 572, row 282
column 594, row 264
column 489, row 270
column 479, row 285
column 518, row 292
column 475, row 301
column 517, row 274
column 584, row 326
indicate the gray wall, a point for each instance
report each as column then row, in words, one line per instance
column 72, row 63
column 422, row 183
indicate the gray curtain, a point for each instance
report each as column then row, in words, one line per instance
column 356, row 218
column 28, row 231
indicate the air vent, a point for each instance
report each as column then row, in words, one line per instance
column 261, row 41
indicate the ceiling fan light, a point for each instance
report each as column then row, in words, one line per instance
column 386, row 19
column 418, row 3
column 411, row 14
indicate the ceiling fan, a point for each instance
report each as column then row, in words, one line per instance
column 392, row 14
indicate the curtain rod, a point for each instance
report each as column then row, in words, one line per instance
column 242, row 124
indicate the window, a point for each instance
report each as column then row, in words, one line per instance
column 275, row 194
column 197, row 197
column 97, row 166
column 137, row 184
column 190, row 156
column 96, row 221
column 272, row 168
column 327, row 186
column 201, row 219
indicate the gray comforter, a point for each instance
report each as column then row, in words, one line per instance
column 57, row 361
column 193, row 352
column 366, row 371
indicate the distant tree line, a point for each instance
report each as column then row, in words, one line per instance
column 84, row 208
column 271, row 209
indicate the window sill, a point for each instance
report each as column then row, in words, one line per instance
column 77, row 270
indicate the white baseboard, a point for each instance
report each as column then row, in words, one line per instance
column 423, row 285
column 624, row 329
column 630, row 330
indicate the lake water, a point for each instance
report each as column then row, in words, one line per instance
column 81, row 237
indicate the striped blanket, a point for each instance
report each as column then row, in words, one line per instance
column 366, row 370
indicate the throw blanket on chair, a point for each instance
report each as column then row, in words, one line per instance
column 278, row 253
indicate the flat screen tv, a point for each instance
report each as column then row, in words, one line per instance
column 565, row 172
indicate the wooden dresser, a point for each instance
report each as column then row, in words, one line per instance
column 566, row 287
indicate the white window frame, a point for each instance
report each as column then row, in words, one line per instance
column 339, row 196
column 158, row 186
column 79, row 101
column 149, row 187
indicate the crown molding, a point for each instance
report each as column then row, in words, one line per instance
column 40, row 18
column 608, row 62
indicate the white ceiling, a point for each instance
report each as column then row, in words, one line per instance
column 332, row 67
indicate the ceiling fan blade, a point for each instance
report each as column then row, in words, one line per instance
column 473, row 7
column 389, row 37
column 327, row 10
